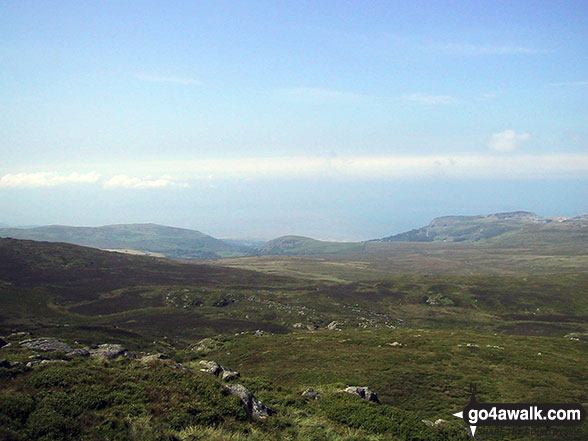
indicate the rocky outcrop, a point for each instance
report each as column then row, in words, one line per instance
column 46, row 345
column 110, row 352
column 312, row 394
column 154, row 357
column 213, row 368
column 210, row 367
column 254, row 408
column 362, row 392
column 82, row 352
column 3, row 342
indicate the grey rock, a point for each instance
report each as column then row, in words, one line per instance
column 255, row 408
column 440, row 422
column 46, row 345
column 36, row 357
column 210, row 367
column 52, row 362
column 333, row 326
column 312, row 327
column 395, row 344
column 229, row 375
column 312, row 394
column 82, row 352
column 362, row 392
column 3, row 342
column 154, row 357
column 110, row 352
column 31, row 364
column 259, row 333
column 298, row 326
column 213, row 368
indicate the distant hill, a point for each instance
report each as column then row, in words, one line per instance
column 179, row 243
column 300, row 245
column 496, row 226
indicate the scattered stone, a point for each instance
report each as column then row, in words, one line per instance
column 110, row 352
column 312, row 394
column 154, row 357
column 259, row 333
column 46, row 345
column 210, row 367
column 312, row 327
column 494, row 347
column 395, row 344
column 213, row 368
column 440, row 422
column 255, row 408
column 229, row 375
column 52, row 361
column 37, row 357
column 298, row 326
column 222, row 303
column 82, row 352
column 333, row 326
column 362, row 392
column 428, row 423
column 19, row 334
column 206, row 344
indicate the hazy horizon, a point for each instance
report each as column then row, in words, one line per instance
column 255, row 120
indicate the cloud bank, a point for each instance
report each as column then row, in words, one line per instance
column 47, row 179
column 184, row 174
column 507, row 141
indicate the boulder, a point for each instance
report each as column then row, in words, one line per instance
column 312, row 394
column 213, row 368
column 210, row 367
column 229, row 375
column 110, row 352
column 362, row 392
column 259, row 333
column 45, row 345
column 298, row 326
column 395, row 344
column 333, row 326
column 254, row 408
column 154, row 357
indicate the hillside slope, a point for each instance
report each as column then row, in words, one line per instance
column 172, row 242
column 492, row 226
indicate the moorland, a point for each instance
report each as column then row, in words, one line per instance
column 416, row 322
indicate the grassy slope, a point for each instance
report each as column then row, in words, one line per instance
column 153, row 304
column 172, row 242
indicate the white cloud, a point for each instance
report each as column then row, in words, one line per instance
column 571, row 83
column 47, row 179
column 507, row 141
column 125, row 181
column 166, row 79
column 384, row 167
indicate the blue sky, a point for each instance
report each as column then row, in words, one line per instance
column 341, row 120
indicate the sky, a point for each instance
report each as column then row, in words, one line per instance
column 343, row 120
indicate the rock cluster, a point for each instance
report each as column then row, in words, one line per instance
column 312, row 394
column 254, row 408
column 362, row 392
column 110, row 352
column 213, row 368
column 46, row 345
